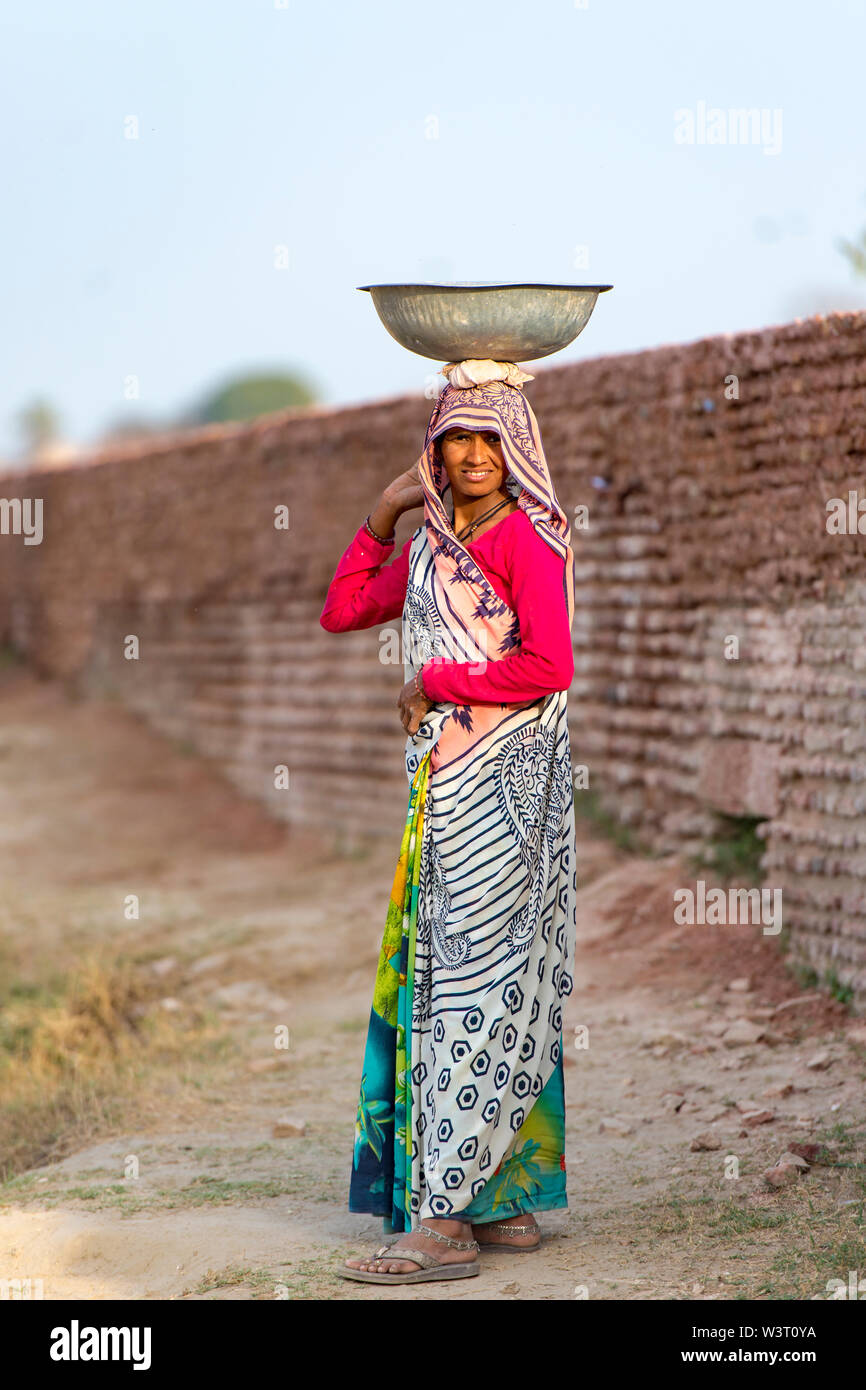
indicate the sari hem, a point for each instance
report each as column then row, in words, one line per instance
column 531, row 1175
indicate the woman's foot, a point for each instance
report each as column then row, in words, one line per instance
column 445, row 1254
column 517, row 1232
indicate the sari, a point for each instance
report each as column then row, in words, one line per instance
column 462, row 1108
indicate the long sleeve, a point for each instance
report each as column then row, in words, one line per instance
column 362, row 594
column 544, row 661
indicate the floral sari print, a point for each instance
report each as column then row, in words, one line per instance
column 462, row 1099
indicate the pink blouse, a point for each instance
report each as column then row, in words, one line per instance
column 523, row 570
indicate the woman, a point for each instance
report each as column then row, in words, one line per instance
column 460, row 1124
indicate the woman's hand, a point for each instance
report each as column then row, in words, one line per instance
column 412, row 707
column 406, row 492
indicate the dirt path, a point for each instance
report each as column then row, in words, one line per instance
column 244, row 925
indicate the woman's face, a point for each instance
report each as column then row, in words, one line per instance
column 473, row 462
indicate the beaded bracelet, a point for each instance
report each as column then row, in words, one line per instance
column 419, row 687
column 383, row 540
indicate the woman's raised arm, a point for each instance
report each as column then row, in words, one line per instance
column 362, row 594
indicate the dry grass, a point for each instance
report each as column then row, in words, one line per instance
column 77, row 1054
column 772, row 1246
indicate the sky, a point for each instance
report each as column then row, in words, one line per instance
column 194, row 190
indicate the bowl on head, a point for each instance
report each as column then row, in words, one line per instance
column 484, row 319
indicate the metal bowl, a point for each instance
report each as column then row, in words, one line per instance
column 503, row 321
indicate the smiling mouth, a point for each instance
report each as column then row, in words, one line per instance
column 476, row 472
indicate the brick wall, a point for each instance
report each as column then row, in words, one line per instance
column 706, row 500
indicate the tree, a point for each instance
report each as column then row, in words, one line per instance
column 133, row 428
column 855, row 252
column 247, row 397
column 39, row 424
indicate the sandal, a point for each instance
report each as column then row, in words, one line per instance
column 431, row 1268
column 503, row 1245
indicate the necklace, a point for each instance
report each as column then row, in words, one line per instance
column 467, row 530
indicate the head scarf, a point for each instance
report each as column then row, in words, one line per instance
column 492, row 402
